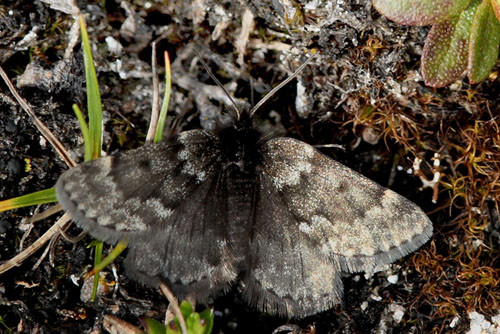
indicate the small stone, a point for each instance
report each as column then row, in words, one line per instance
column 393, row 279
column 14, row 166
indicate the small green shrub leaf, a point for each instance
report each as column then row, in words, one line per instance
column 420, row 12
column 173, row 328
column 153, row 326
column 444, row 57
column 484, row 43
column 186, row 308
column 194, row 324
column 208, row 316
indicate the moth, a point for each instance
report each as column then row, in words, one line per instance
column 203, row 211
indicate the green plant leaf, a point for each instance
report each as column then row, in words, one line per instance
column 173, row 328
column 93, row 96
column 39, row 197
column 484, row 43
column 420, row 12
column 153, row 327
column 194, row 325
column 208, row 316
column 186, row 308
column 444, row 57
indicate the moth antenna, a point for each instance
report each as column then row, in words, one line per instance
column 283, row 83
column 211, row 75
column 251, row 91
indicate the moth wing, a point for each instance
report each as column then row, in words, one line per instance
column 190, row 250
column 352, row 218
column 286, row 273
column 336, row 219
column 152, row 196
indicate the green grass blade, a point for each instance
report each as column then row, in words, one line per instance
column 97, row 259
column 164, row 107
column 85, row 133
column 93, row 96
column 93, row 142
column 99, row 266
column 39, row 197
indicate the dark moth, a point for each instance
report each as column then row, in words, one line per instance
column 204, row 211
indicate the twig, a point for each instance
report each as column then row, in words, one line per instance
column 58, row 146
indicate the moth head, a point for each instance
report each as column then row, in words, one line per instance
column 240, row 142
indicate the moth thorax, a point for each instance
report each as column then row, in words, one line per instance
column 240, row 147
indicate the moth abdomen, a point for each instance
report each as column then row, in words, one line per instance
column 242, row 195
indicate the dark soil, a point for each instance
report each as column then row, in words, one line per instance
column 364, row 62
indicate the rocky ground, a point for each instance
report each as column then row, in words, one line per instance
column 364, row 91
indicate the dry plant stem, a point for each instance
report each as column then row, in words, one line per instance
column 175, row 305
column 47, row 213
column 117, row 325
column 273, row 46
column 52, row 246
column 45, row 252
column 19, row 258
column 169, row 316
column 56, row 238
column 247, row 25
column 28, row 230
column 155, row 110
column 58, row 146
column 72, row 240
